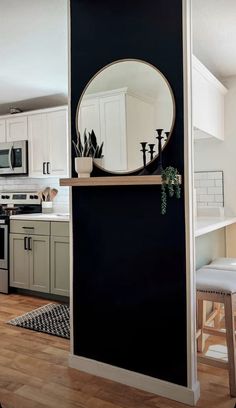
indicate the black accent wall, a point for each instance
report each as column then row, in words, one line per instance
column 129, row 260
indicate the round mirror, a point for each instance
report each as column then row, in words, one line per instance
column 121, row 108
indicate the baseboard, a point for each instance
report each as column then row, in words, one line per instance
column 136, row 380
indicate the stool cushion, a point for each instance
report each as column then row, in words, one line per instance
column 223, row 263
column 216, row 280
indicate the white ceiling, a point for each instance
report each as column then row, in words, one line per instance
column 33, row 49
column 214, row 35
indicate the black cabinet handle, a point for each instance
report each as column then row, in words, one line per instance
column 29, row 244
column 44, row 168
column 48, row 172
column 25, row 243
column 28, row 227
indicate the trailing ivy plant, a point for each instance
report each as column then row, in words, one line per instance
column 170, row 186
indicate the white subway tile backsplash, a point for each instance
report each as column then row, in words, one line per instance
column 214, row 175
column 214, row 190
column 207, row 183
column 201, row 190
column 207, row 198
column 209, row 188
column 218, row 198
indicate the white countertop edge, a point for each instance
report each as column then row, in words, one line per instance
column 204, row 225
column 41, row 217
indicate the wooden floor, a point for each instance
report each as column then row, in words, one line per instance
column 34, row 373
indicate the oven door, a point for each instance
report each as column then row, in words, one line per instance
column 13, row 158
column 3, row 246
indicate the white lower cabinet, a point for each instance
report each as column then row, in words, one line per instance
column 40, row 262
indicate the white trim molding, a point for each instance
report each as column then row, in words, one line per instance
column 133, row 379
column 193, row 383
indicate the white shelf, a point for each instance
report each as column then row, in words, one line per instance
column 204, row 225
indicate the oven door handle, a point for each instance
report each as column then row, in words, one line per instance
column 10, row 157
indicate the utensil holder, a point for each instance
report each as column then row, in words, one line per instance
column 46, row 207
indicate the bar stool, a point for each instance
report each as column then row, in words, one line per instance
column 222, row 263
column 218, row 286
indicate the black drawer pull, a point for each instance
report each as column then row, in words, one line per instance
column 25, row 243
column 28, row 227
column 29, row 244
column 44, row 168
column 48, row 172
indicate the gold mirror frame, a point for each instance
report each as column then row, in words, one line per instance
column 173, row 120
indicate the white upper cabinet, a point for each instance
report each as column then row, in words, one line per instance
column 208, row 103
column 113, row 116
column 2, row 131
column 48, row 143
column 13, row 129
column 16, row 128
column 37, row 126
column 57, row 143
column 89, row 116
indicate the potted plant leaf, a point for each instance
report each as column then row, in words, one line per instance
column 84, row 156
column 97, row 150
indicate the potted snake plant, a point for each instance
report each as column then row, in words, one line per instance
column 84, row 156
column 97, row 149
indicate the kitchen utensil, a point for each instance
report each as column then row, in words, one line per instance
column 53, row 193
column 46, row 194
column 40, row 195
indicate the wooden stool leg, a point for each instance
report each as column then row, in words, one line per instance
column 201, row 320
column 217, row 317
column 230, row 338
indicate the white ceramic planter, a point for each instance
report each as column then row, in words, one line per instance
column 46, row 207
column 83, row 166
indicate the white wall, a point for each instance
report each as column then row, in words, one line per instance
column 216, row 155
column 61, row 202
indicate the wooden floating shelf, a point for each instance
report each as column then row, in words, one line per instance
column 112, row 181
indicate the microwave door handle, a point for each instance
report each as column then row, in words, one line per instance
column 10, row 157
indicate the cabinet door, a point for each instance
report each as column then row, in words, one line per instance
column 58, row 156
column 60, row 266
column 19, row 262
column 89, row 117
column 2, row 131
column 16, row 128
column 113, row 132
column 208, row 103
column 39, row 263
column 37, row 131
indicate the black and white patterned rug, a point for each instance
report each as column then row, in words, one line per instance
column 52, row 319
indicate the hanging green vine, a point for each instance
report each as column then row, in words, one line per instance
column 170, row 185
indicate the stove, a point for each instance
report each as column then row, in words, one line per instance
column 12, row 203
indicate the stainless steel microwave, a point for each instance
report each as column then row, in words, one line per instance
column 14, row 158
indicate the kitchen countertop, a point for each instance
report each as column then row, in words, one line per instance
column 203, row 225
column 42, row 217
